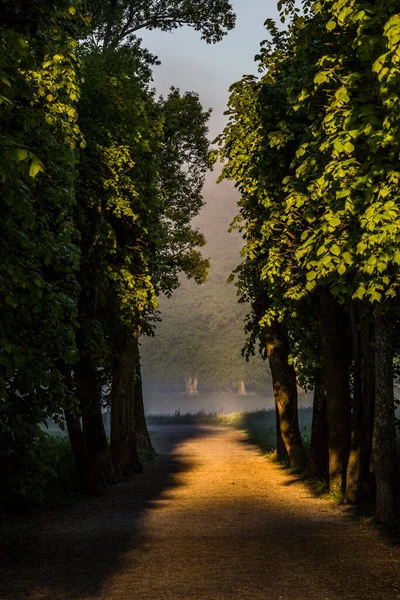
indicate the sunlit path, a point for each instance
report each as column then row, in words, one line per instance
column 214, row 521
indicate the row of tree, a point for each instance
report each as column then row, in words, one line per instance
column 313, row 145
column 99, row 182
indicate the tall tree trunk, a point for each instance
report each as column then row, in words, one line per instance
column 280, row 454
column 75, row 434
column 359, row 480
column 124, row 355
column 319, row 451
column 242, row 388
column 336, row 363
column 384, row 437
column 135, row 461
column 196, row 386
column 142, row 433
column 367, row 478
column 189, row 386
column 285, row 391
column 102, row 471
column 78, row 448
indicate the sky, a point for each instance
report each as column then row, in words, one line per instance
column 209, row 69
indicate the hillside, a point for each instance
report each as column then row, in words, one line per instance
column 201, row 332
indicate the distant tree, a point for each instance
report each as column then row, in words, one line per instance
column 118, row 21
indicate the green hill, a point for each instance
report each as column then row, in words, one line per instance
column 201, row 333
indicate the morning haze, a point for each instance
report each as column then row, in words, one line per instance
column 208, row 69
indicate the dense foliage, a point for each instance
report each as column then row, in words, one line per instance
column 99, row 182
column 312, row 145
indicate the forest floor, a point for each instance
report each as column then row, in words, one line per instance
column 209, row 519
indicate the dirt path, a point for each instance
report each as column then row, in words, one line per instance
column 209, row 520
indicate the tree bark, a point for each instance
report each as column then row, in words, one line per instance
column 142, row 433
column 336, row 363
column 384, row 437
column 189, row 386
column 196, row 386
column 78, row 448
column 75, row 434
column 135, row 461
column 319, row 451
column 359, row 479
column 100, row 463
column 242, row 388
column 280, row 454
column 285, row 391
column 122, row 384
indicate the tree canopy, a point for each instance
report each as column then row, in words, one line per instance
column 99, row 182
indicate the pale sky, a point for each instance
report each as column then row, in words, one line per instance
column 209, row 69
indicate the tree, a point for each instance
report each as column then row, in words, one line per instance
column 84, row 218
column 119, row 203
column 39, row 90
column 118, row 21
column 140, row 184
column 318, row 173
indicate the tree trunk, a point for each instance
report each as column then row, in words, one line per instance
column 319, row 451
column 189, row 386
column 359, row 480
column 75, row 434
column 196, row 386
column 242, row 388
column 367, row 478
column 135, row 461
column 285, row 391
column 336, row 362
column 78, row 448
column 280, row 454
column 101, row 467
column 142, row 433
column 384, row 437
column 124, row 355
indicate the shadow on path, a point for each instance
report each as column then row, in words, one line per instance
column 75, row 552
column 210, row 520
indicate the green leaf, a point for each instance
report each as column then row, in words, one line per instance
column 36, row 167
column 18, row 154
column 334, row 222
column 349, row 147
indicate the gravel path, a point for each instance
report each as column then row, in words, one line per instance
column 210, row 519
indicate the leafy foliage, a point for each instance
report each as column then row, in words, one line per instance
column 312, row 148
column 99, row 182
column 40, row 87
column 119, row 20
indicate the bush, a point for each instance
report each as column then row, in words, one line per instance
column 42, row 475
